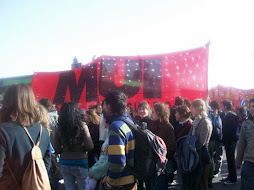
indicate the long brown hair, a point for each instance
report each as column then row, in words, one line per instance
column 162, row 111
column 92, row 116
column 19, row 105
column 44, row 117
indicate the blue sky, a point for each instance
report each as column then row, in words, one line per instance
column 44, row 36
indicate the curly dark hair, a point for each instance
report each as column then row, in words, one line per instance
column 70, row 123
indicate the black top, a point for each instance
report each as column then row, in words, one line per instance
column 184, row 129
column 15, row 147
column 229, row 127
column 147, row 120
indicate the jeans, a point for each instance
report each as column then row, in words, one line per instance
column 247, row 176
column 230, row 153
column 180, row 180
column 72, row 174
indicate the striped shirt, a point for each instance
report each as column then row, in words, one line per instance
column 120, row 150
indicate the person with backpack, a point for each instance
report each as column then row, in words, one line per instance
column 121, row 144
column 72, row 141
column 19, row 129
column 183, row 128
column 202, row 128
column 215, row 144
column 162, row 128
column 145, row 120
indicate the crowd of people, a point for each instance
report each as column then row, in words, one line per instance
column 91, row 149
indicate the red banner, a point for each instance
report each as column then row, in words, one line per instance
column 153, row 78
column 235, row 95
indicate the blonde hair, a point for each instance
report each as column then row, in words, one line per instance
column 201, row 105
column 44, row 118
column 92, row 116
column 19, row 105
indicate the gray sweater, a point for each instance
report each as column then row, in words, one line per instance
column 245, row 149
column 202, row 127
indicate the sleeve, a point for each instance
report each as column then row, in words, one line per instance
column 116, row 154
column 47, row 157
column 57, row 142
column 100, row 168
column 205, row 131
column 88, row 145
column 241, row 146
column 2, row 153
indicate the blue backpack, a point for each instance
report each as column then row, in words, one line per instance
column 217, row 127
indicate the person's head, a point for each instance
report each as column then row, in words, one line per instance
column 91, row 116
column 44, row 117
column 160, row 112
column 182, row 113
column 46, row 102
column 187, row 102
column 227, row 106
column 116, row 102
column 53, row 107
column 82, row 111
column 179, row 101
column 98, row 109
column 144, row 109
column 251, row 106
column 70, row 122
column 19, row 105
column 215, row 106
column 198, row 107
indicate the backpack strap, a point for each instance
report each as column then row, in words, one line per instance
column 39, row 139
column 183, row 129
column 131, row 125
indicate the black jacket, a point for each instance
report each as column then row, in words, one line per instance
column 15, row 147
column 229, row 127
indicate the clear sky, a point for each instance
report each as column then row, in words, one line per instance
column 45, row 35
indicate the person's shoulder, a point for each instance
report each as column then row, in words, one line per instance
column 169, row 126
column 9, row 127
column 248, row 123
column 206, row 121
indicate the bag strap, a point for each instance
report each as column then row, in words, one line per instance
column 183, row 129
column 39, row 139
column 132, row 126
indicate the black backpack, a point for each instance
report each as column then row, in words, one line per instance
column 149, row 155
